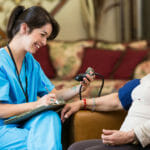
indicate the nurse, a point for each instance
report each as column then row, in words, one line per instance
column 22, row 80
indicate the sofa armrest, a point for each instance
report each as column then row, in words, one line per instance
column 88, row 125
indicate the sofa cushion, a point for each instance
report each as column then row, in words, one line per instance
column 142, row 69
column 67, row 57
column 92, row 91
column 3, row 42
column 138, row 45
column 110, row 46
column 85, row 124
column 42, row 56
column 129, row 62
column 101, row 60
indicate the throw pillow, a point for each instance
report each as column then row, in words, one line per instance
column 3, row 42
column 42, row 56
column 102, row 61
column 110, row 46
column 138, row 45
column 130, row 60
column 67, row 57
column 142, row 69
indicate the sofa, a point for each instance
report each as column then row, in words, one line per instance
column 117, row 62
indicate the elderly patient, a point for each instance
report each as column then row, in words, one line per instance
column 134, row 133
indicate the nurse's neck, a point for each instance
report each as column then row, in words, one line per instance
column 17, row 49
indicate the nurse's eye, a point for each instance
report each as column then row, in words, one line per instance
column 42, row 34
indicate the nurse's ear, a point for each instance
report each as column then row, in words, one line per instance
column 24, row 29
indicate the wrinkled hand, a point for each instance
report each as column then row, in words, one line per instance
column 70, row 108
column 47, row 100
column 86, row 81
column 116, row 137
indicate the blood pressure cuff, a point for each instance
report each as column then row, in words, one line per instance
column 124, row 93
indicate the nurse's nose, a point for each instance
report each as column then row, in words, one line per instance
column 44, row 41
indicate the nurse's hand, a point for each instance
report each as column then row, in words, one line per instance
column 47, row 100
column 87, row 80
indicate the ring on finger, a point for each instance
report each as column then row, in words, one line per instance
column 51, row 99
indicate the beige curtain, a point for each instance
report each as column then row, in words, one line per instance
column 91, row 11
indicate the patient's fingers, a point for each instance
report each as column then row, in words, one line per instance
column 63, row 112
column 108, row 132
column 70, row 108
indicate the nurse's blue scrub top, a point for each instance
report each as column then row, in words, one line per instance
column 10, row 89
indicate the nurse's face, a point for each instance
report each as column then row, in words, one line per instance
column 37, row 38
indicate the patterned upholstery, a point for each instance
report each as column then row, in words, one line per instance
column 67, row 57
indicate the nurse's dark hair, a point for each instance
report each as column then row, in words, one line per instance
column 34, row 17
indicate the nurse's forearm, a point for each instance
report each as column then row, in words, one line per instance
column 67, row 94
column 9, row 110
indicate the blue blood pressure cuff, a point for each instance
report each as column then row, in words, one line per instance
column 124, row 93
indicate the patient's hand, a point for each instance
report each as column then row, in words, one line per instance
column 70, row 109
column 116, row 137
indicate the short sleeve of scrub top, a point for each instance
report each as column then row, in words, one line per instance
column 4, row 87
column 124, row 93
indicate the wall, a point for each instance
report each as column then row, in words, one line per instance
column 70, row 21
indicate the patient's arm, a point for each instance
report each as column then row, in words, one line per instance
column 105, row 103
